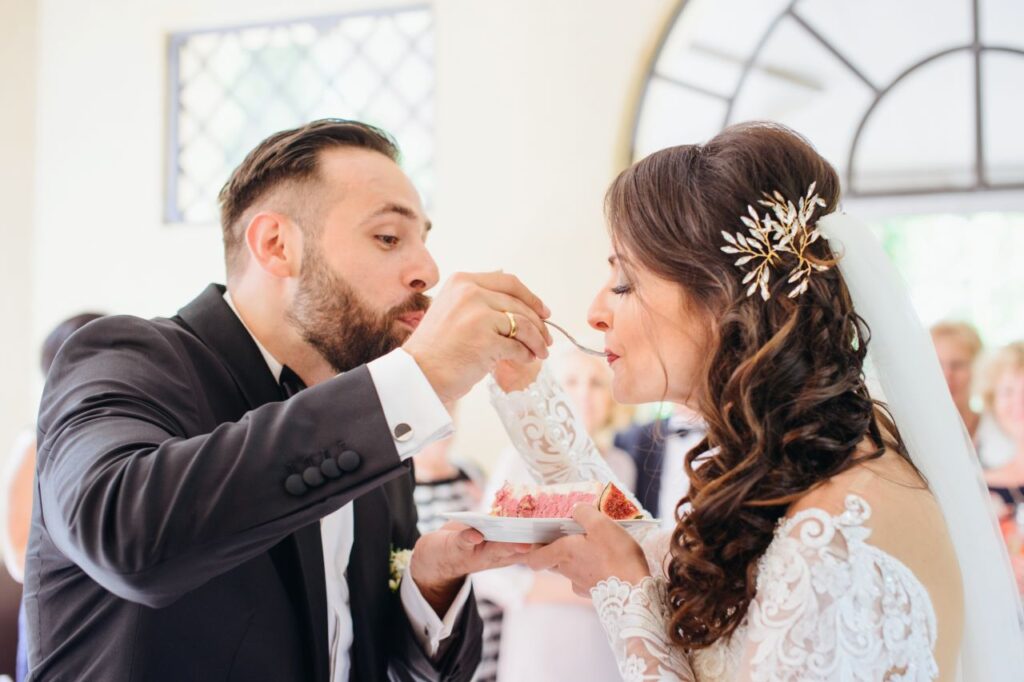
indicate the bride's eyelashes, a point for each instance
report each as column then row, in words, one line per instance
column 622, row 289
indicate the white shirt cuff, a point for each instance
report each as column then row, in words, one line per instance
column 415, row 415
column 428, row 628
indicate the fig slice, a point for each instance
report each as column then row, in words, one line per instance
column 614, row 504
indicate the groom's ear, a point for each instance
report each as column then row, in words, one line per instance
column 275, row 244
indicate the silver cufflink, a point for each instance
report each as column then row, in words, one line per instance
column 403, row 433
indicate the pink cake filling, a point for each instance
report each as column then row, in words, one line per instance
column 548, row 502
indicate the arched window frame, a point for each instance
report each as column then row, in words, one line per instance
column 1009, row 194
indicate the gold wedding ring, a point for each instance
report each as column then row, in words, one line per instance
column 513, row 328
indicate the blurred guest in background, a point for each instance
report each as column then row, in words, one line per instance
column 1004, row 396
column 549, row 634
column 658, row 450
column 17, row 482
column 958, row 344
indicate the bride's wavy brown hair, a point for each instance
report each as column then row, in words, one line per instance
column 782, row 389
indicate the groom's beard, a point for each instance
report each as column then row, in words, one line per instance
column 330, row 317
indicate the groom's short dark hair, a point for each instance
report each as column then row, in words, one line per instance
column 290, row 155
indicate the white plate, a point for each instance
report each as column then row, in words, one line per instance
column 543, row 531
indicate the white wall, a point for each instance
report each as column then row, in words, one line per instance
column 18, row 361
column 533, row 98
column 524, row 161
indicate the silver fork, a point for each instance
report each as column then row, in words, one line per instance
column 588, row 351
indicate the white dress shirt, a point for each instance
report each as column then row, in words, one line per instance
column 408, row 402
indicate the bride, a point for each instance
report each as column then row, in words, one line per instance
column 823, row 537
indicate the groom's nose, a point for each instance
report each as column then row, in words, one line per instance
column 421, row 274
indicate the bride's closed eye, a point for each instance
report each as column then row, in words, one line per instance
column 622, row 289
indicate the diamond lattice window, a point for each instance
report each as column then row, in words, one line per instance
column 230, row 88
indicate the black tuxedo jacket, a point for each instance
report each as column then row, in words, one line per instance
column 175, row 530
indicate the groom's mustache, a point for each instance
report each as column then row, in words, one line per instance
column 416, row 303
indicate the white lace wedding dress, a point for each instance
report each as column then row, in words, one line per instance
column 829, row 605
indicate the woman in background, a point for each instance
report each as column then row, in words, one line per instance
column 958, row 346
column 1004, row 397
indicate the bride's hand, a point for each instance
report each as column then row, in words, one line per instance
column 515, row 376
column 604, row 550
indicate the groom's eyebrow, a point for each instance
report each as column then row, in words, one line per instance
column 401, row 210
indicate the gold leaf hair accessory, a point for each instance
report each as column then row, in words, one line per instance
column 782, row 229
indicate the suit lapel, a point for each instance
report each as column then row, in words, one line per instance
column 216, row 325
column 300, row 555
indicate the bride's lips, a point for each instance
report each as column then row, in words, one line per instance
column 612, row 357
column 412, row 319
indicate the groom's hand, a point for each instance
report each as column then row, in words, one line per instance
column 441, row 561
column 466, row 331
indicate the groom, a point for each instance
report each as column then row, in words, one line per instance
column 201, row 514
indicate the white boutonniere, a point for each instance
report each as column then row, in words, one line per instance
column 398, row 565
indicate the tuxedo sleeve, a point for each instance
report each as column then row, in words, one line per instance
column 151, row 506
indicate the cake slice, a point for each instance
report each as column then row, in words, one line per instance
column 556, row 501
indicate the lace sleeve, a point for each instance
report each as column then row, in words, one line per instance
column 550, row 438
column 829, row 606
column 635, row 618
